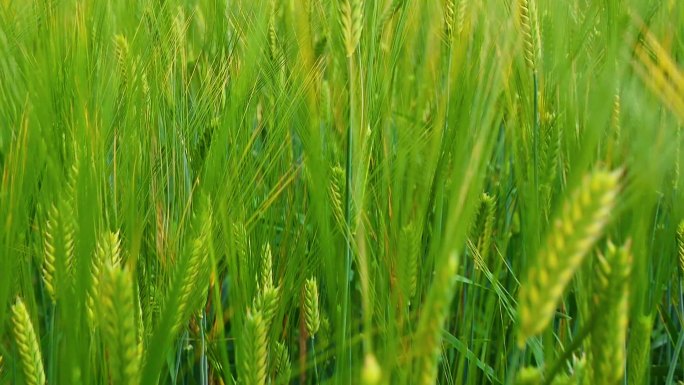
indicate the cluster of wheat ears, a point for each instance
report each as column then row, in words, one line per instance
column 344, row 192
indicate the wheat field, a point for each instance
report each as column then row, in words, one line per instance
column 257, row 192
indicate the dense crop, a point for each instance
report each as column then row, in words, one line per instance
column 341, row 191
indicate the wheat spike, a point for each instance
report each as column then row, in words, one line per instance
column 59, row 247
column 194, row 277
column 336, row 195
column 528, row 375
column 122, row 53
column 450, row 16
column 639, row 349
column 485, row 241
column 351, row 20
column 461, row 14
column 27, row 344
column 312, row 315
column 267, row 302
column 254, row 350
column 611, row 307
column 371, row 374
column 526, row 23
column 267, row 267
column 268, row 294
column 117, row 317
column 241, row 242
column 409, row 252
column 432, row 317
column 281, row 367
column 48, row 270
column 581, row 223
column 107, row 252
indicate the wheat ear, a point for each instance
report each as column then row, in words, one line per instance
column 117, row 317
column 351, row 20
column 281, row 367
column 268, row 295
column 526, row 22
column 254, row 350
column 528, row 375
column 194, row 278
column 59, row 243
column 484, row 242
column 27, row 344
column 312, row 315
column 639, row 349
column 371, row 374
column 432, row 317
column 107, row 252
column 580, row 224
column 409, row 254
column 610, row 304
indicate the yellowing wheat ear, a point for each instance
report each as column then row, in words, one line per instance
column 580, row 224
column 117, row 317
column 27, row 345
column 351, row 20
column 610, row 304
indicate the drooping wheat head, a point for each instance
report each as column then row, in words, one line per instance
column 27, row 345
column 580, row 224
